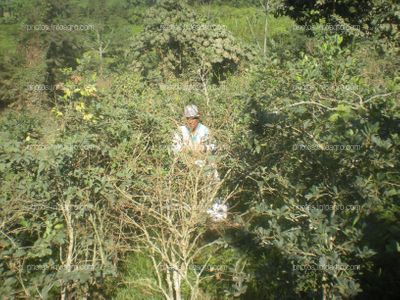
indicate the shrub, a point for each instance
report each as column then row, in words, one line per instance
column 316, row 128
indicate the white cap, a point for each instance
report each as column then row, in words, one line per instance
column 191, row 111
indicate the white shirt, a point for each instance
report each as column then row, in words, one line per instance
column 185, row 138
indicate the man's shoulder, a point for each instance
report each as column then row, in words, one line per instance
column 203, row 128
column 184, row 130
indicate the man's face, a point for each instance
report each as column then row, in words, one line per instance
column 192, row 123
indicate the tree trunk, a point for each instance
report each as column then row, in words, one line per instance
column 265, row 27
column 70, row 229
column 177, row 285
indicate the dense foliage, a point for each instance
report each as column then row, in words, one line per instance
column 379, row 18
column 180, row 44
column 94, row 204
column 325, row 158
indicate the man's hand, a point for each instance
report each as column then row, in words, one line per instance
column 200, row 148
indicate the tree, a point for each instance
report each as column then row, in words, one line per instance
column 168, row 222
column 353, row 18
column 62, row 46
column 176, row 42
column 313, row 183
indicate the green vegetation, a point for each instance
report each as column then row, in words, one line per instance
column 246, row 23
column 303, row 107
column 8, row 38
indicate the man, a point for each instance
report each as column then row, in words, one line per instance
column 193, row 136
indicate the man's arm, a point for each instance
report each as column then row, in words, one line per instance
column 208, row 144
